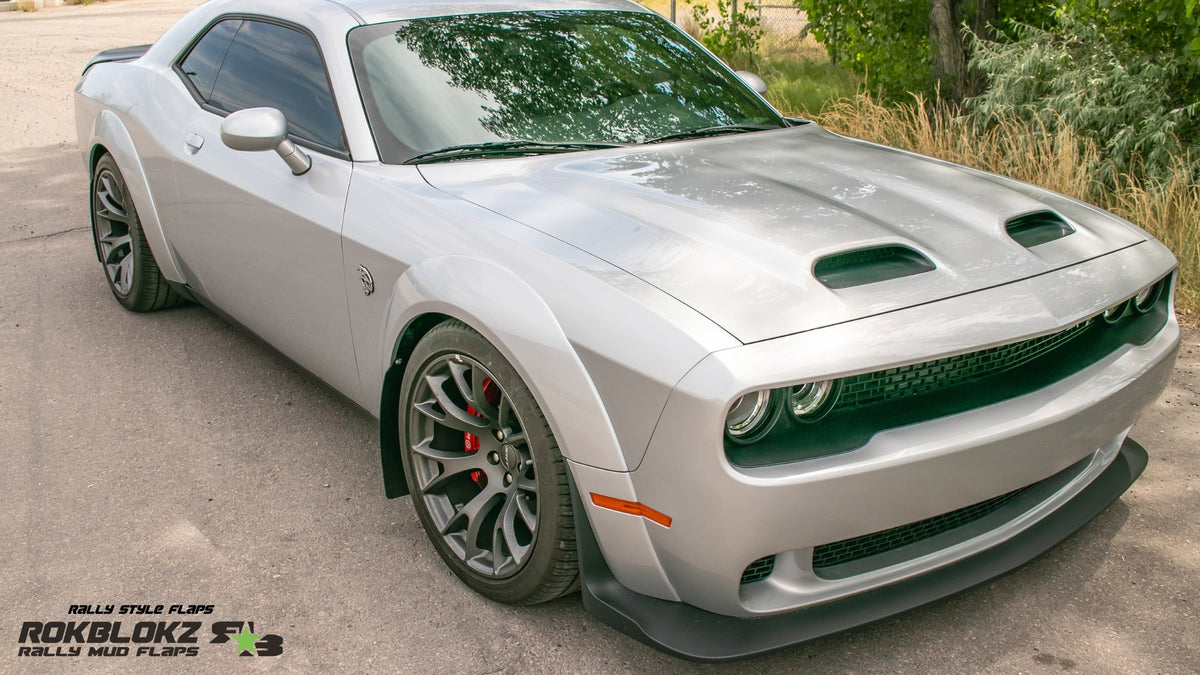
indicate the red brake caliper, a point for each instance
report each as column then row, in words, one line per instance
column 491, row 393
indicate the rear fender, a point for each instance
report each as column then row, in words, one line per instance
column 110, row 133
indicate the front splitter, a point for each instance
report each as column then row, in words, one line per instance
column 692, row 633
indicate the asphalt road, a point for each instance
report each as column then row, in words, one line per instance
column 169, row 459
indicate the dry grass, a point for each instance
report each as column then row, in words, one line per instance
column 1059, row 161
column 1171, row 212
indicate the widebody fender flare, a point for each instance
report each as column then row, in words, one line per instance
column 110, row 133
column 511, row 315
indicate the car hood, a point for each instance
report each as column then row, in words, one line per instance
column 733, row 226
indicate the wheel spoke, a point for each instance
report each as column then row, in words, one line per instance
column 526, row 512
column 114, row 246
column 475, row 512
column 453, row 464
column 126, row 270
column 508, row 418
column 456, row 417
column 507, row 524
column 498, row 541
column 111, row 208
column 526, row 483
column 472, row 392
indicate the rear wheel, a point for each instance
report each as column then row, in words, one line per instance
column 129, row 266
column 487, row 479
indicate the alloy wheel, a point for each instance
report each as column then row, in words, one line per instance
column 473, row 466
column 113, row 235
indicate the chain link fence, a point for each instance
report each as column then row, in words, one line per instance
column 785, row 21
column 780, row 21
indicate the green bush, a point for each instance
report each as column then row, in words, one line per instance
column 887, row 40
column 733, row 33
column 1078, row 76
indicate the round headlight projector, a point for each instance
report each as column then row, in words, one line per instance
column 752, row 416
column 811, row 401
column 1145, row 300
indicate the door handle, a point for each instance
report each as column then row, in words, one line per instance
column 194, row 142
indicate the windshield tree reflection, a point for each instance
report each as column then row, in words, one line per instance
column 580, row 76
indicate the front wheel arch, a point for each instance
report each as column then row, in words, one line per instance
column 502, row 307
column 394, row 483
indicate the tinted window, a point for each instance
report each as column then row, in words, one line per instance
column 202, row 63
column 549, row 76
column 274, row 66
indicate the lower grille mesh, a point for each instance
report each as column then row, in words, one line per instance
column 849, row 550
column 758, row 570
column 922, row 378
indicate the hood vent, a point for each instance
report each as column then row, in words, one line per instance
column 1035, row 229
column 870, row 265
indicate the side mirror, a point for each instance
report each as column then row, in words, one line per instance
column 753, row 81
column 259, row 129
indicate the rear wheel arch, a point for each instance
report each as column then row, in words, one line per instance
column 110, row 137
column 98, row 151
column 95, row 154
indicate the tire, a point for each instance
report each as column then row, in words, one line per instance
column 129, row 266
column 487, row 479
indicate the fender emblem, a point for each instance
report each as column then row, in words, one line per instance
column 367, row 281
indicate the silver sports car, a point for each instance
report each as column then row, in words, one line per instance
column 625, row 327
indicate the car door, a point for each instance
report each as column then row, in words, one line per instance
column 262, row 244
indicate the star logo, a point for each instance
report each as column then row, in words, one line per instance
column 246, row 640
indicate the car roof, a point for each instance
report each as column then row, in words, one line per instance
column 378, row 11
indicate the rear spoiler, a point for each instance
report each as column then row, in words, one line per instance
column 118, row 54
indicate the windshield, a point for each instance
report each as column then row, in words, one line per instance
column 554, row 77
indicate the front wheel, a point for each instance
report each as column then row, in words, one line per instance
column 488, row 482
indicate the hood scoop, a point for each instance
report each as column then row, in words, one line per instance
column 1035, row 229
column 869, row 266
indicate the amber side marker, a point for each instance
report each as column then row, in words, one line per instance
column 632, row 508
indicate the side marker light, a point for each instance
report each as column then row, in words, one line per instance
column 632, row 508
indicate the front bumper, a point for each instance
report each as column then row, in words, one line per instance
column 728, row 517
column 690, row 632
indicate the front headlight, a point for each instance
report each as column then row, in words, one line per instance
column 811, row 401
column 1145, row 300
column 752, row 416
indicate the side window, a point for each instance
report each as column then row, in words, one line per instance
column 201, row 64
column 270, row 65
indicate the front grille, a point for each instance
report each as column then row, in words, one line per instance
column 758, row 570
column 849, row 550
column 922, row 378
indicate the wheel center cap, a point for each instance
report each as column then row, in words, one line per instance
column 510, row 458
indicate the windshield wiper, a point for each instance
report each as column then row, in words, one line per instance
column 503, row 148
column 713, row 131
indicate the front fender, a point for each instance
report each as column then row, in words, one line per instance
column 525, row 331
column 109, row 132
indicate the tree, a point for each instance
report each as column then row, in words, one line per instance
column 907, row 46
